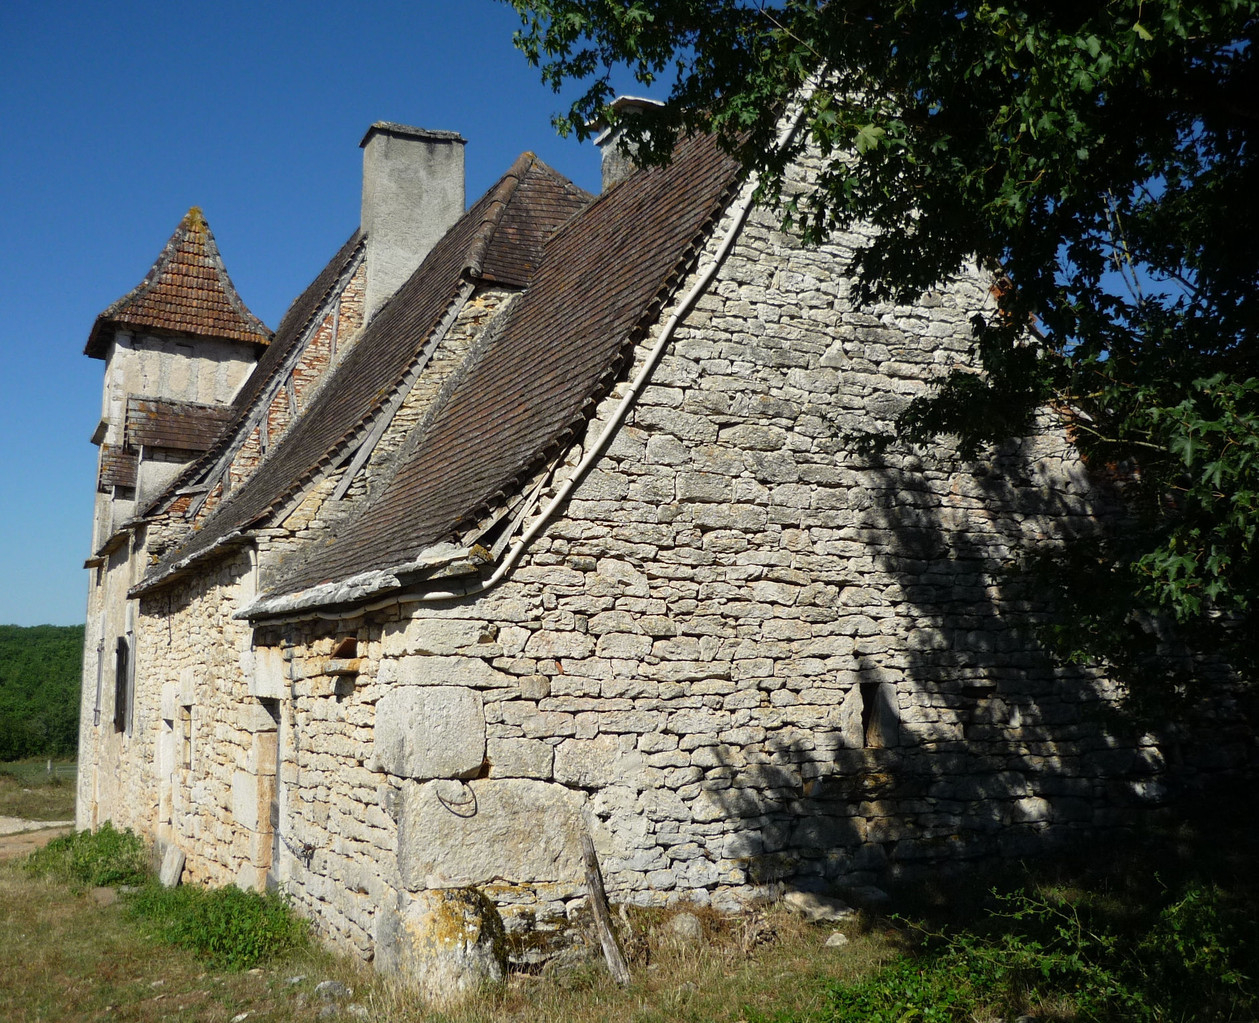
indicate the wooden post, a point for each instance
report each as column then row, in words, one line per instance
column 599, row 910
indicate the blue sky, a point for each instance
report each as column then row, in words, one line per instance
column 116, row 117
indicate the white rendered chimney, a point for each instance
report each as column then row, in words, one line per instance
column 413, row 192
column 618, row 156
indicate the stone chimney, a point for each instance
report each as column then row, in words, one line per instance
column 618, row 159
column 413, row 192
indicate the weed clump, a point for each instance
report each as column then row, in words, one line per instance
column 230, row 928
column 92, row 859
column 1061, row 956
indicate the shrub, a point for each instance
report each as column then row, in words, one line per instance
column 1197, row 953
column 1182, row 961
column 229, row 927
column 92, row 858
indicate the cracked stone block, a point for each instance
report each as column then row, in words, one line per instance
column 453, row 834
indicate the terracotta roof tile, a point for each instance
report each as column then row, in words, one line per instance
column 180, row 425
column 118, row 467
column 503, row 231
column 187, row 291
column 599, row 286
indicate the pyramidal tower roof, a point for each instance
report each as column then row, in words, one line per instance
column 187, row 291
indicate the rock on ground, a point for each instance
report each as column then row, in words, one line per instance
column 818, row 908
column 447, row 942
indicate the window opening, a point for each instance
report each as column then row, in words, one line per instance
column 185, row 733
column 272, row 707
column 100, row 679
column 122, row 708
column 869, row 731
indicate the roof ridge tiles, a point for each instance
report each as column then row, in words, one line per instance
column 179, row 296
column 501, row 195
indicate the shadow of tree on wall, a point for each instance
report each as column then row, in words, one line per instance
column 965, row 738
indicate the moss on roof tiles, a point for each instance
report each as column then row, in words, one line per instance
column 186, row 291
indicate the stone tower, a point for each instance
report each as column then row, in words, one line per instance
column 177, row 349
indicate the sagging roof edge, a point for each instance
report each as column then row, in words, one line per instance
column 172, row 573
column 354, row 596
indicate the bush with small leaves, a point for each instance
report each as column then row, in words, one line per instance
column 229, row 927
column 93, row 858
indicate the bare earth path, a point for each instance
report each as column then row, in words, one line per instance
column 19, row 837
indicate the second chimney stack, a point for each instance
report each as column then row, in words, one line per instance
column 413, row 192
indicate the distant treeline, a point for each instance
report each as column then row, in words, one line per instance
column 39, row 690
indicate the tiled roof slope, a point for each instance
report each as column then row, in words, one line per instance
column 118, row 467
column 600, row 285
column 181, row 425
column 523, row 226
column 290, row 332
column 295, row 321
column 391, row 341
column 187, row 291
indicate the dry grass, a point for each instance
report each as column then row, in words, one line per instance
column 69, row 958
column 769, row 962
column 28, row 790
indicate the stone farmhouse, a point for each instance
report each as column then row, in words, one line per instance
column 536, row 520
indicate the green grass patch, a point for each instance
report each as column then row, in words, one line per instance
column 230, row 928
column 68, row 958
column 93, row 859
column 29, row 790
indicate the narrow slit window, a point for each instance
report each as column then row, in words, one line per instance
column 122, row 690
column 185, row 740
column 869, row 729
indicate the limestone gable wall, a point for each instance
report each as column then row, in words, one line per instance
column 742, row 654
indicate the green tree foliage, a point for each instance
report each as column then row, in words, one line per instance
column 39, row 690
column 1099, row 157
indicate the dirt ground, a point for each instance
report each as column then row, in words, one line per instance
column 20, row 837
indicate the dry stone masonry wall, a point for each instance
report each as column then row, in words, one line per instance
column 740, row 655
